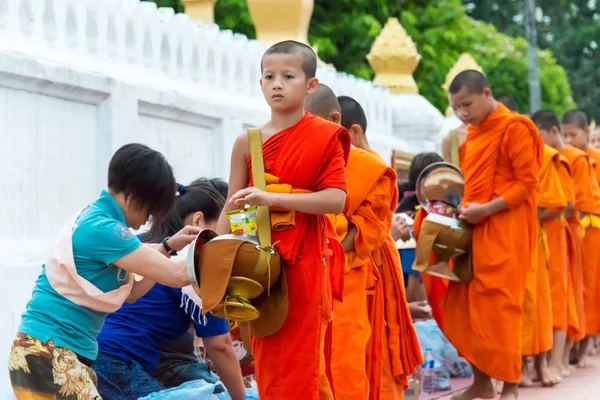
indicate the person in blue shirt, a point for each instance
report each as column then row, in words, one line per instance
column 132, row 338
column 91, row 272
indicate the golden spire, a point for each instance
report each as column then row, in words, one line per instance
column 464, row 62
column 202, row 10
column 394, row 58
column 278, row 20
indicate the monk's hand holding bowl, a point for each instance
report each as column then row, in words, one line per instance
column 253, row 197
column 473, row 212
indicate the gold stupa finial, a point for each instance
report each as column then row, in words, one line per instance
column 394, row 58
column 464, row 62
column 202, row 10
column 279, row 20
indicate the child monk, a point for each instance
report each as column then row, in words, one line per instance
column 452, row 142
column 401, row 351
column 549, row 128
column 500, row 160
column 576, row 131
column 358, row 320
column 309, row 154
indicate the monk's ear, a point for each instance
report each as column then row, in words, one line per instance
column 587, row 131
column 335, row 117
column 487, row 92
column 313, row 83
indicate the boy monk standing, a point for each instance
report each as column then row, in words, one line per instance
column 401, row 350
column 576, row 131
column 570, row 234
column 501, row 160
column 310, row 155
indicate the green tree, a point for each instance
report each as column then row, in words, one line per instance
column 571, row 29
column 344, row 30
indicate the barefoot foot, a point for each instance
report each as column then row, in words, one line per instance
column 510, row 392
column 565, row 371
column 479, row 391
column 541, row 365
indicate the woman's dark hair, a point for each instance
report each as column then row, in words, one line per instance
column 217, row 183
column 198, row 196
column 145, row 176
column 418, row 164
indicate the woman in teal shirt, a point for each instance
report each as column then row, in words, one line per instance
column 91, row 273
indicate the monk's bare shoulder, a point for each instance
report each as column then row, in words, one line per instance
column 241, row 146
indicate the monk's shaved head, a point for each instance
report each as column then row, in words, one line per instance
column 508, row 101
column 545, row 120
column 322, row 102
column 305, row 53
column 474, row 81
column 352, row 113
column 575, row 117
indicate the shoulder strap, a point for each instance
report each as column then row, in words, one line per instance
column 454, row 148
column 263, row 218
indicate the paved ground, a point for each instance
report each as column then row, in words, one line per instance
column 583, row 384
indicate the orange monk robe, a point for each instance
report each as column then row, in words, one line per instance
column 483, row 318
column 309, row 156
column 587, row 200
column 541, row 312
column 401, row 350
column 575, row 310
column 358, row 320
column 594, row 155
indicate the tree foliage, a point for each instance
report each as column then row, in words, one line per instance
column 569, row 28
column 344, row 30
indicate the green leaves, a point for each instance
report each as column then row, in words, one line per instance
column 344, row 31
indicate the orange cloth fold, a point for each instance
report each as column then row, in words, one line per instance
column 548, row 273
column 587, row 200
column 309, row 156
column 594, row 155
column 483, row 318
column 358, row 320
column 575, row 310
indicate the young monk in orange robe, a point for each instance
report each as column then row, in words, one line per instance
column 576, row 131
column 572, row 306
column 308, row 154
column 541, row 312
column 500, row 160
column 357, row 324
column 401, row 350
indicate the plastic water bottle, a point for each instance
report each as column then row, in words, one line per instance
column 428, row 373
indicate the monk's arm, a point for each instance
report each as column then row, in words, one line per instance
column 238, row 180
column 544, row 213
column 348, row 242
column 525, row 167
column 446, row 154
column 581, row 182
column 326, row 201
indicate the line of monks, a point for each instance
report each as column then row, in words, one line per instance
column 536, row 260
column 535, row 212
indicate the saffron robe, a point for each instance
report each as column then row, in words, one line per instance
column 594, row 155
column 548, row 266
column 309, row 156
column 401, row 349
column 483, row 318
column 358, row 320
column 575, row 310
column 587, row 200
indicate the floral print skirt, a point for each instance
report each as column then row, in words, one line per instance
column 43, row 371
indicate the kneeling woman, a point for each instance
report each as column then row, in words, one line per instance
column 132, row 338
column 90, row 274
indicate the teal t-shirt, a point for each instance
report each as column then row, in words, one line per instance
column 101, row 238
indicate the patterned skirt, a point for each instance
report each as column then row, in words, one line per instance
column 43, row 371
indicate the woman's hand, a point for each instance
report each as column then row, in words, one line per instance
column 473, row 212
column 420, row 310
column 184, row 237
